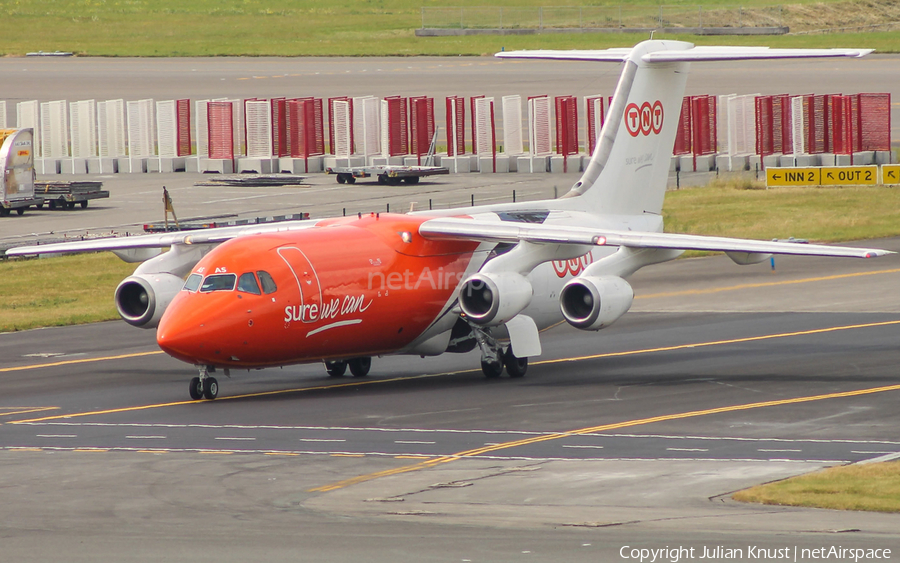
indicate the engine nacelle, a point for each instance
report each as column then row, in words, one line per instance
column 142, row 299
column 491, row 299
column 595, row 302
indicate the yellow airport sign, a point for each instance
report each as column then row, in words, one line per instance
column 849, row 175
column 793, row 176
column 890, row 174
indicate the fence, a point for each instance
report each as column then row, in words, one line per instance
column 600, row 17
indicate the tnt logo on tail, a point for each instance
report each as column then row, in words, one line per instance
column 644, row 120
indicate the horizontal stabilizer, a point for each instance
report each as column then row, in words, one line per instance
column 694, row 54
column 467, row 229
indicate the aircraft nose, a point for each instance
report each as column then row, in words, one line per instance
column 182, row 335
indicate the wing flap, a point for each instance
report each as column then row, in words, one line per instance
column 485, row 231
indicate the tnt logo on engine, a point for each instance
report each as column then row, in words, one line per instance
column 645, row 119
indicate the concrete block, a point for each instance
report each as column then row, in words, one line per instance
column 378, row 160
column 457, row 164
column 863, row 158
column 674, row 163
column 491, row 164
column 46, row 166
column 73, row 166
column 772, row 161
column 686, row 163
column 219, row 165
column 568, row 165
column 513, row 160
column 842, row 160
column 754, row 162
column 167, row 164
column 723, row 163
column 255, row 165
column 827, row 159
column 502, row 164
column 883, row 157
column 102, row 165
column 129, row 165
column 532, row 164
column 195, row 164
column 806, row 160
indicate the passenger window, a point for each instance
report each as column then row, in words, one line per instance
column 247, row 283
column 193, row 282
column 268, row 284
column 218, row 282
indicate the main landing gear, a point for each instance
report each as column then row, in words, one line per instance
column 494, row 358
column 204, row 386
column 359, row 367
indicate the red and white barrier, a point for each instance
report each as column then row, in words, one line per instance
column 456, row 125
column 566, row 128
column 306, row 130
column 367, row 126
column 539, row 134
column 83, row 130
column 394, row 127
column 595, row 115
column 340, row 126
column 484, row 132
column 421, row 126
column 258, row 123
column 513, row 141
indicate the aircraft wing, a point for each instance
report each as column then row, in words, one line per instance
column 162, row 240
column 488, row 231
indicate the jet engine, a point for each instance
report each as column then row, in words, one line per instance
column 142, row 298
column 491, row 299
column 595, row 302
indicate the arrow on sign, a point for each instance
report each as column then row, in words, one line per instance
column 892, row 174
column 829, row 175
column 776, row 177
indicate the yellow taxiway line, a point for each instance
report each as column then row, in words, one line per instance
column 592, row 430
column 432, row 375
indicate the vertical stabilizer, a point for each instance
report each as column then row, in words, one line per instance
column 629, row 168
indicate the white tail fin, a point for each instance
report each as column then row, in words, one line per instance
column 628, row 171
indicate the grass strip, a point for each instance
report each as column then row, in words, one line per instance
column 165, row 28
column 59, row 291
column 873, row 487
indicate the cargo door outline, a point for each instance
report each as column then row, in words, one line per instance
column 307, row 280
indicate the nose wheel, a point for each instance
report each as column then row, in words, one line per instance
column 204, row 386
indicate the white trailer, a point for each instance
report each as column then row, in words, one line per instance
column 17, row 164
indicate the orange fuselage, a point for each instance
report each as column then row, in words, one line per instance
column 345, row 288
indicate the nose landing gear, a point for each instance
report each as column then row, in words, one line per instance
column 204, row 386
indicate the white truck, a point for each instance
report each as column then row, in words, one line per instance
column 17, row 165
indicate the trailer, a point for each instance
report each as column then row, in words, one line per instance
column 389, row 174
column 66, row 195
column 17, row 166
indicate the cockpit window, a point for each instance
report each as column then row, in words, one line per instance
column 193, row 282
column 218, row 282
column 268, row 284
column 247, row 283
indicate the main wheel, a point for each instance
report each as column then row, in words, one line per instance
column 70, row 205
column 84, row 204
column 341, row 178
column 4, row 211
column 382, row 179
column 196, row 389
column 210, row 388
column 491, row 369
column 351, row 179
column 515, row 367
column 51, row 204
column 359, row 367
column 20, row 211
column 411, row 179
column 336, row 369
